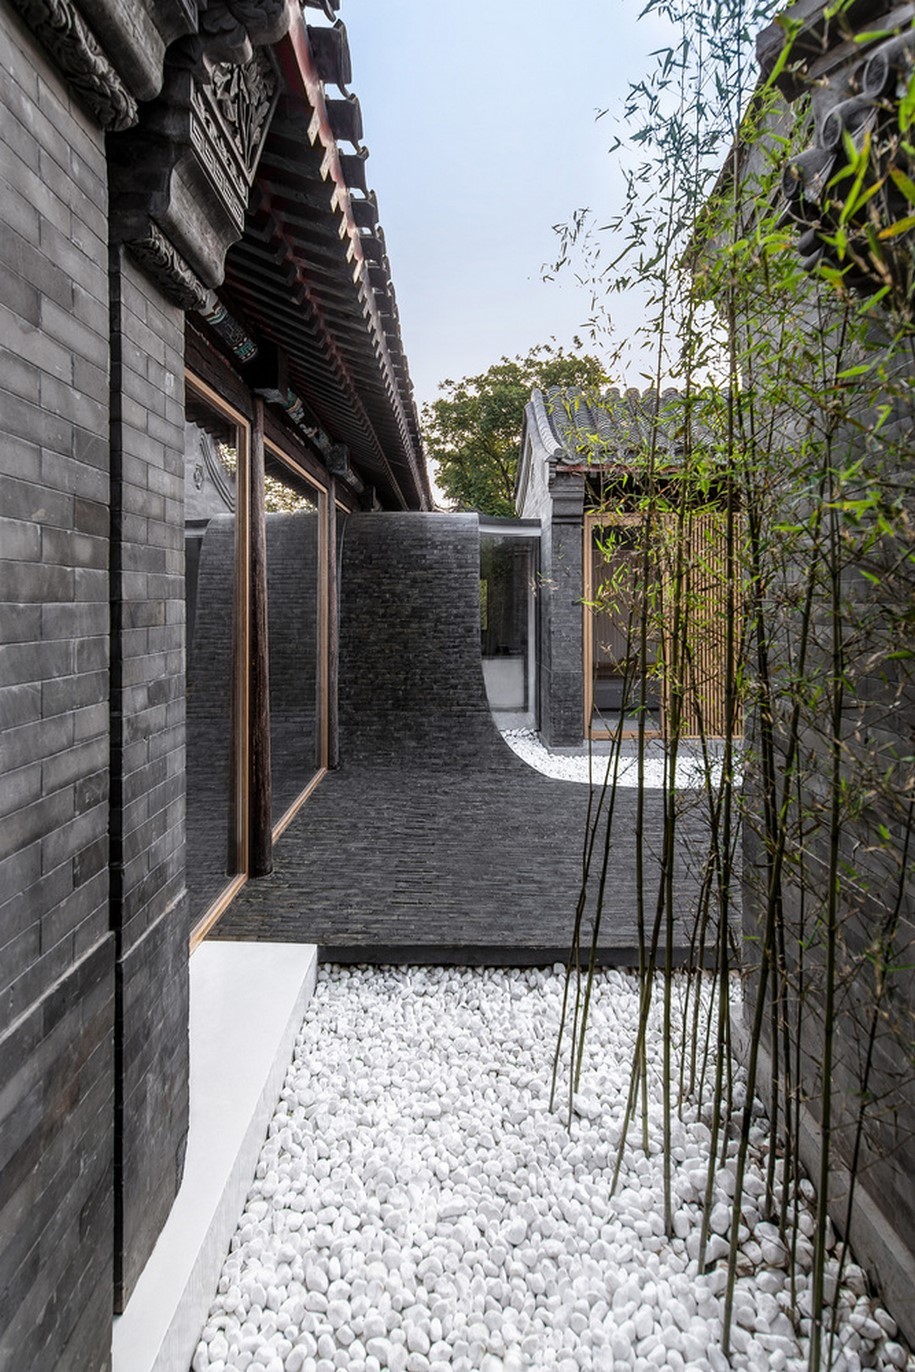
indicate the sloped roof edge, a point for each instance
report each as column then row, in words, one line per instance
column 571, row 428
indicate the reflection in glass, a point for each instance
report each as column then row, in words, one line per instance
column 214, row 854
column 293, row 632
column 507, row 575
column 616, row 575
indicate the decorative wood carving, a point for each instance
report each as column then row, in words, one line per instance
column 186, row 170
column 71, row 43
column 229, row 119
column 162, row 261
column 217, row 316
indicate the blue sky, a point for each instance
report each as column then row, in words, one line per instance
column 482, row 135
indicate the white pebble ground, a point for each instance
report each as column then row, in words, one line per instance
column 578, row 766
column 417, row 1208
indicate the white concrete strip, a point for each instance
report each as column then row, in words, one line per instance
column 247, row 1004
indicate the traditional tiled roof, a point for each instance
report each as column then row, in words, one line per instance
column 573, row 429
column 311, row 274
column 856, row 63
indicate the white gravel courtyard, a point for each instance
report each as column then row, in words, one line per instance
column 417, row 1208
column 592, row 770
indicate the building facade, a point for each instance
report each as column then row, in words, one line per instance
column 202, row 375
column 607, row 562
column 842, row 82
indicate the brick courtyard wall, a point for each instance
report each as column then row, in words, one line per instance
column 57, row 958
column 149, row 907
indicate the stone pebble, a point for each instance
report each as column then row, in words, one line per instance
column 418, row 1207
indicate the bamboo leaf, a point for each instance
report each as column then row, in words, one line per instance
column 907, row 106
column 905, row 183
column 901, row 226
column 862, row 159
column 792, row 28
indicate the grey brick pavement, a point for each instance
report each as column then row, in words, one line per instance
column 434, row 842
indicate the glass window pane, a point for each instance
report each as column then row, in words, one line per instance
column 293, row 631
column 507, row 573
column 213, row 447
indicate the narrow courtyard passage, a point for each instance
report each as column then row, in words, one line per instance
column 434, row 842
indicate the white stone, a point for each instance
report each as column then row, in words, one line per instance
column 378, row 1347
column 886, row 1321
column 716, row 1247
column 516, row 1231
column 717, row 1361
column 720, row 1219
column 644, row 1322
column 418, row 1340
column 431, row 1202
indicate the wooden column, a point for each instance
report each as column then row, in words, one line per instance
column 260, row 849
column 333, row 635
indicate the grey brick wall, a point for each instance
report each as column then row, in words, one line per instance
column 560, row 509
column 562, row 678
column 149, row 908
column 433, row 841
column 409, row 685
column 56, row 963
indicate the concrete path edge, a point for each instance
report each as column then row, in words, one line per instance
column 247, row 1004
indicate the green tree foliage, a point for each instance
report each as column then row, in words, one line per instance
column 473, row 432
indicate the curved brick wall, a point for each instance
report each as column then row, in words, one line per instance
column 411, row 674
column 434, row 842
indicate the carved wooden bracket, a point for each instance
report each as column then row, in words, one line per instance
column 230, row 30
column 187, row 99
column 186, row 170
column 168, row 269
column 72, row 44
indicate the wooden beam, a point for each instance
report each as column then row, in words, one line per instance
column 260, row 849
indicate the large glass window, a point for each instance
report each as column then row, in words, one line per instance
column 216, row 474
column 296, row 598
column 508, row 569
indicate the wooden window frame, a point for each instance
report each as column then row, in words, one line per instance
column 592, row 522
column 286, row 459
column 708, row 660
column 242, row 608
